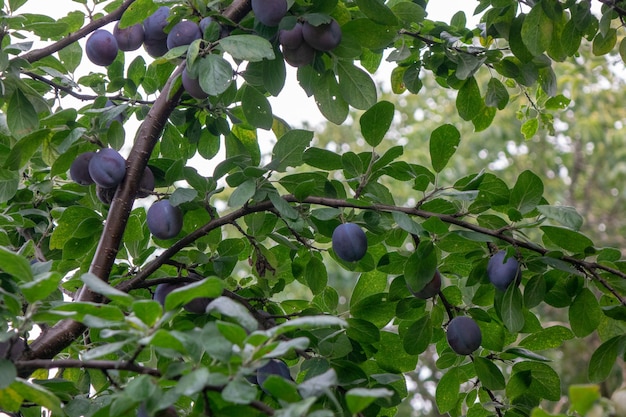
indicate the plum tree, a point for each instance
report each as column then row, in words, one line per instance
column 79, row 170
column 183, row 33
column 324, row 37
column 192, row 86
column 146, row 186
column 501, row 274
column 272, row 367
column 431, row 289
column 129, row 38
column 463, row 335
column 349, row 242
column 269, row 12
column 107, row 168
column 101, row 48
column 155, row 38
column 164, row 220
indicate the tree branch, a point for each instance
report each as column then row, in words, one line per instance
column 37, row 54
column 33, row 364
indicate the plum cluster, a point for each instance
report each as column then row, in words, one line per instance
column 107, row 168
column 300, row 42
column 196, row 306
column 102, row 47
column 349, row 242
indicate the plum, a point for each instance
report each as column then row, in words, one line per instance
column 79, row 170
column 13, row 348
column 192, row 86
column 154, row 25
column 101, row 48
column 291, row 38
column 273, row 367
column 300, row 56
column 107, row 168
column 105, row 195
column 431, row 289
column 349, row 242
column 183, row 33
column 463, row 335
column 324, row 37
column 501, row 274
column 168, row 412
column 197, row 305
column 146, row 186
column 164, row 220
column 129, row 38
column 156, row 47
column 269, row 12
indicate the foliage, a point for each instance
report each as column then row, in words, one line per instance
column 78, row 275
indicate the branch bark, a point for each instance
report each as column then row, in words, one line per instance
column 57, row 338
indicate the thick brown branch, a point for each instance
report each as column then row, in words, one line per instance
column 33, row 364
column 37, row 54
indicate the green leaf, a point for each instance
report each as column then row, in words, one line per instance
column 369, row 34
column 256, row 108
column 329, row 99
column 567, row 216
column 468, row 100
column 375, row 122
column 315, row 275
column 360, row 398
column 9, row 182
column 308, row 322
column 247, row 47
column 418, row 336
column 244, row 192
column 322, row 159
column 101, row 287
column 512, row 309
column 210, row 287
column 137, row 12
column 8, row 373
column 148, row 311
column 356, row 86
column 444, row 141
column 41, row 287
column 391, row 355
column 497, row 94
column 583, row 397
column 21, row 115
column 420, row 268
column 362, row 331
column 527, row 192
column 585, row 314
column 549, row 338
column 289, row 150
column 567, row 239
column 15, row 265
column 603, row 44
column 239, row 391
column 378, row 12
column 537, row 30
column 214, row 74
column 529, row 128
column 540, row 379
column 447, row 393
column 163, row 339
column 233, row 309
column 489, row 374
column 38, row 395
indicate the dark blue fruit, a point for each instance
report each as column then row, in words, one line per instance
column 501, row 274
column 324, row 37
column 101, row 48
column 273, row 367
column 192, row 86
column 196, row 306
column 349, row 242
column 79, row 170
column 464, row 335
column 291, row 38
column 164, row 220
column 183, row 33
column 146, row 186
column 431, row 289
column 105, row 195
column 269, row 12
column 154, row 25
column 129, row 38
column 107, row 168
